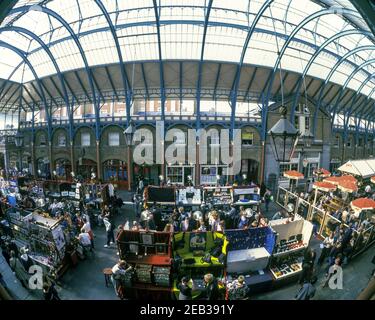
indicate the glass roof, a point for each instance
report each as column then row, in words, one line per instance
column 181, row 35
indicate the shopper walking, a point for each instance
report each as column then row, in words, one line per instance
column 267, row 199
column 110, row 235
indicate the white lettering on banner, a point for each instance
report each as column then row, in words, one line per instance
column 36, row 280
column 183, row 147
column 336, row 278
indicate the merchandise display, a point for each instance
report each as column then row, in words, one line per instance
column 247, row 196
column 286, row 267
column 42, row 235
column 143, row 273
column 189, row 196
column 162, row 276
column 150, row 255
column 198, row 255
column 218, row 196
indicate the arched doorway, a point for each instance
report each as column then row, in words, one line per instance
column 115, row 171
column 85, row 168
column 63, row 168
column 42, row 168
column 250, row 168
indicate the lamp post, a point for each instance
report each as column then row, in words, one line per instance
column 129, row 135
column 18, row 140
column 307, row 139
column 284, row 137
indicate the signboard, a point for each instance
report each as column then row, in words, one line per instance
column 58, row 237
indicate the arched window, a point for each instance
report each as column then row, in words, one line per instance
column 61, row 140
column 42, row 139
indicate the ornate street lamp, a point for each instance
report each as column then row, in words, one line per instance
column 307, row 139
column 284, row 137
column 18, row 139
column 129, row 135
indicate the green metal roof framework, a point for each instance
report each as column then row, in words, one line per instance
column 149, row 20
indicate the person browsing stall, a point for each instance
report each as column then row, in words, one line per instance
column 238, row 289
column 211, row 290
column 119, row 271
column 185, row 290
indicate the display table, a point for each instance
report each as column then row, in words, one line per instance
column 149, row 253
column 246, row 260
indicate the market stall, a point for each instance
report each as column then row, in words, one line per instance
column 293, row 177
column 292, row 238
column 96, row 195
column 248, row 254
column 150, row 255
column 361, row 168
column 199, row 253
column 247, row 196
column 218, row 197
column 363, row 208
column 321, row 173
column 189, row 197
column 163, row 200
column 322, row 186
column 43, row 236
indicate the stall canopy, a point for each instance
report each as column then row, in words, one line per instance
column 363, row 204
column 361, row 168
column 293, row 174
column 342, row 179
column 322, row 173
column 348, row 186
column 324, row 186
column 333, row 180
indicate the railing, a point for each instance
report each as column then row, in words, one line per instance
column 350, row 128
column 146, row 118
column 7, row 136
column 322, row 220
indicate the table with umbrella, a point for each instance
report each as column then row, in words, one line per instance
column 293, row 175
column 362, row 204
column 321, row 173
column 324, row 187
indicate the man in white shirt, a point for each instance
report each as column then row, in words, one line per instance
column 86, row 226
column 118, row 272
